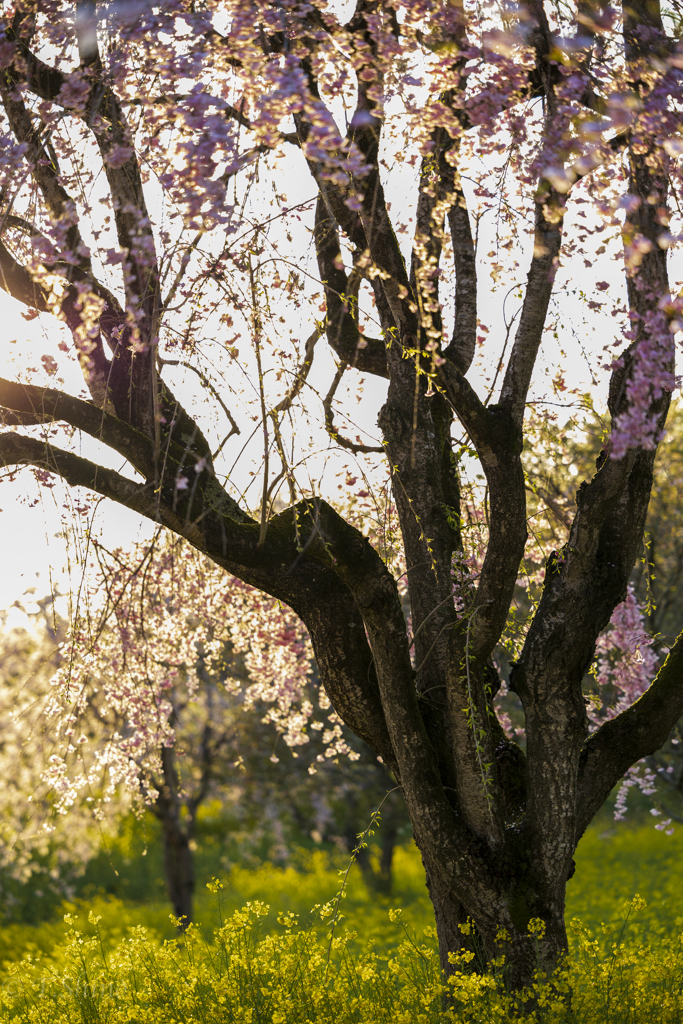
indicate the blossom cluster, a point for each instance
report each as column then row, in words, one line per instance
column 625, row 663
column 157, row 621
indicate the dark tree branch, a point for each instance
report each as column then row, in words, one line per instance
column 17, row 282
column 372, row 230
column 42, row 79
column 135, row 236
column 383, row 247
column 498, row 441
column 428, row 237
column 329, row 419
column 462, row 347
column 550, row 207
column 441, row 182
column 644, row 35
column 586, row 581
column 16, row 450
column 301, row 374
column 104, row 115
column 40, row 158
column 86, row 34
column 31, row 404
column 232, row 112
column 636, row 733
column 132, row 379
column 294, row 564
column 366, row 354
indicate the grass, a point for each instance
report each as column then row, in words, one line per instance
column 614, row 863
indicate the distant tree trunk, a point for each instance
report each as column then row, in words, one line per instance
column 178, row 867
column 177, row 835
column 386, row 860
column 379, row 879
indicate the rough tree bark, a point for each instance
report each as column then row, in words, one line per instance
column 497, row 827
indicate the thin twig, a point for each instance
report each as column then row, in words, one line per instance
column 181, row 271
column 301, row 373
column 329, row 419
column 207, row 384
column 374, row 818
column 264, row 414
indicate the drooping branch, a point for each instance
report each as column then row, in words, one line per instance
column 343, row 335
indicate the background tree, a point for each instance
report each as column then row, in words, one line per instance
column 160, row 666
column 333, row 805
column 42, row 855
column 138, row 146
column 177, row 682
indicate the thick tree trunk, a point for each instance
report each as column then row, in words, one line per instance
column 496, row 827
column 526, row 926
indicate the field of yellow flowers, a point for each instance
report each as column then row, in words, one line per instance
column 358, row 959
